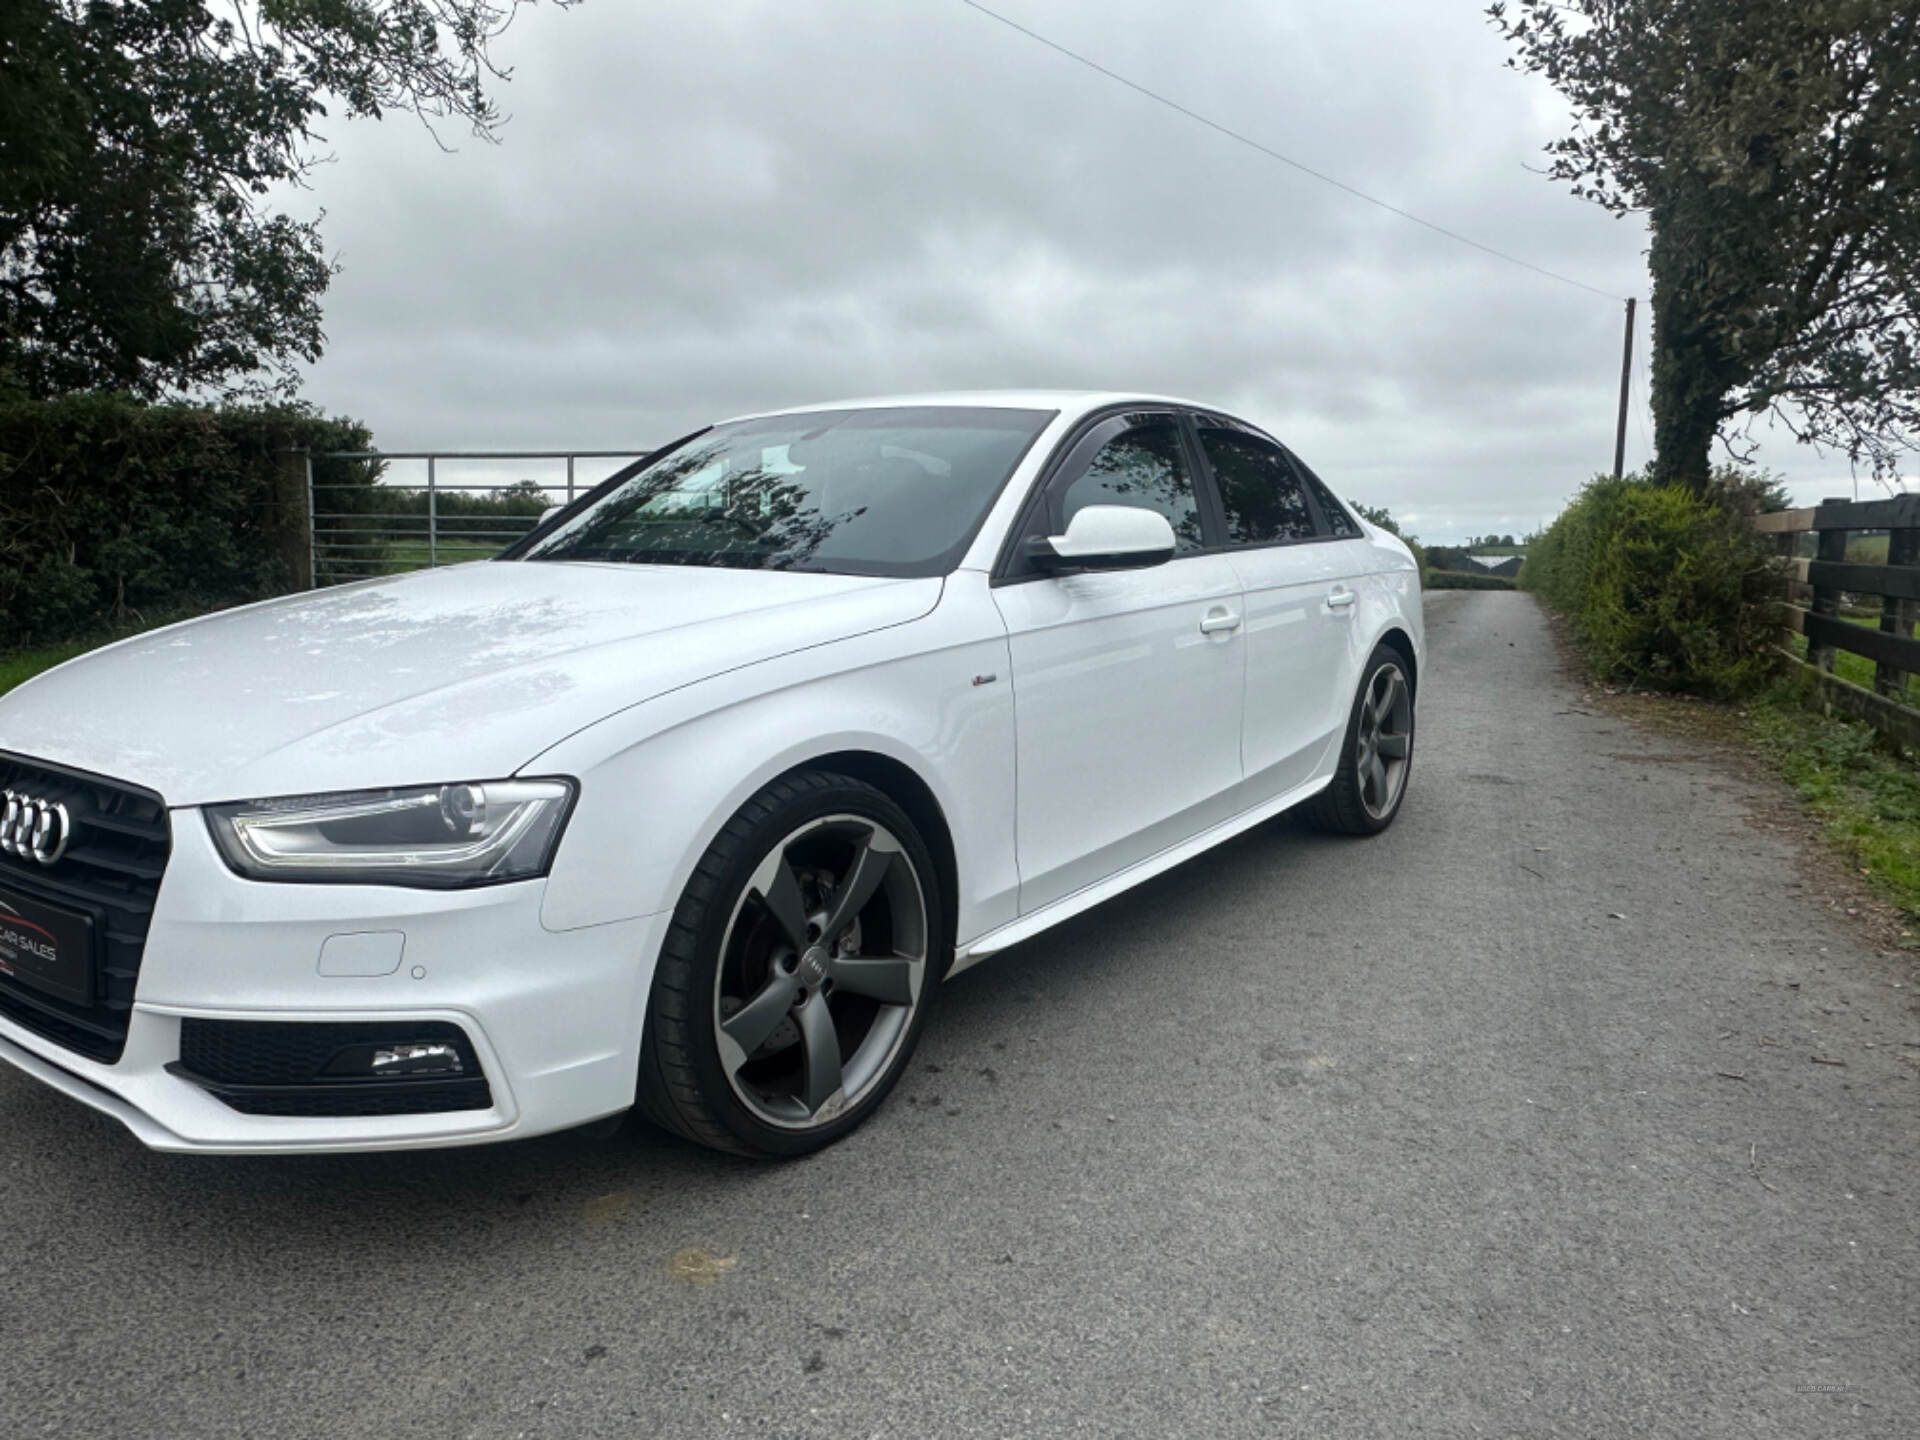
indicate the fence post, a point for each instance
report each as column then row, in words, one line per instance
column 1896, row 616
column 569, row 479
column 1826, row 599
column 293, row 515
column 313, row 530
column 433, row 519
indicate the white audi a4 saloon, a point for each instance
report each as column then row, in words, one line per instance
column 688, row 801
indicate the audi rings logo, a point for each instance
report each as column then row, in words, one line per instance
column 34, row 829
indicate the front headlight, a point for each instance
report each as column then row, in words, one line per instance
column 433, row 837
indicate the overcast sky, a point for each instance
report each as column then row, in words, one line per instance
column 700, row 210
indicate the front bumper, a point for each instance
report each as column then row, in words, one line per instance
column 555, row 1017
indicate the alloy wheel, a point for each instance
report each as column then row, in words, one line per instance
column 821, row 971
column 1383, row 741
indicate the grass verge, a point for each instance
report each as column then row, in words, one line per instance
column 1865, row 797
column 1854, row 798
column 23, row 665
column 19, row 666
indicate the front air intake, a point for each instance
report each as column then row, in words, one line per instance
column 315, row 1069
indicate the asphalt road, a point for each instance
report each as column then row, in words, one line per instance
column 1409, row 1137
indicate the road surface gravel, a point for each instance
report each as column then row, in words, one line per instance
column 1431, row 1135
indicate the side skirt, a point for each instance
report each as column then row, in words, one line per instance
column 1065, row 908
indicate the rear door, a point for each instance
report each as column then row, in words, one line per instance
column 1300, row 602
column 1127, row 684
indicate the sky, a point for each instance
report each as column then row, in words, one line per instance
column 703, row 210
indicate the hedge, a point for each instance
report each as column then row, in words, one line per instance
column 111, row 510
column 1662, row 587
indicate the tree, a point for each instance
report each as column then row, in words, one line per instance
column 141, row 142
column 1774, row 146
column 1377, row 515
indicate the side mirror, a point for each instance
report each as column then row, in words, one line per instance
column 1106, row 537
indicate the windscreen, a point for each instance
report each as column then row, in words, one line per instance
column 852, row 492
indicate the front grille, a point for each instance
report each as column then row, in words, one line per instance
column 286, row 1067
column 111, row 871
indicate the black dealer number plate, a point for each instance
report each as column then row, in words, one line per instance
column 47, row 947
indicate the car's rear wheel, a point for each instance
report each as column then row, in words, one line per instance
column 797, row 972
column 1376, row 757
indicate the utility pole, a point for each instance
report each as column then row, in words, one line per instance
column 1626, row 379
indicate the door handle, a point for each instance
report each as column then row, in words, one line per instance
column 1218, row 620
column 1341, row 599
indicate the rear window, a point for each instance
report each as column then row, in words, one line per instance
column 1340, row 523
column 1262, row 496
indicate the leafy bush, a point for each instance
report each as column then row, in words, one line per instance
column 1663, row 587
column 1383, row 517
column 110, row 508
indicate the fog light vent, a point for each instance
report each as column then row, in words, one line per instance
column 333, row 1068
column 403, row 1060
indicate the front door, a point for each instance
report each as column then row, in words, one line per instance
column 1127, row 684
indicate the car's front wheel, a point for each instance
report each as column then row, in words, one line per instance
column 797, row 972
column 1377, row 751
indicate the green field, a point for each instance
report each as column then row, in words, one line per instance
column 412, row 554
column 1861, row 550
column 397, row 557
column 1867, row 550
column 1464, row 580
column 1855, row 668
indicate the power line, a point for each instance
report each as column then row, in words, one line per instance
column 1288, row 160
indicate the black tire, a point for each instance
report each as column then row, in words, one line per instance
column 686, row 1086
column 1354, row 803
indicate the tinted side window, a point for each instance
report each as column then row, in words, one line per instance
column 1339, row 523
column 1262, row 494
column 1145, row 467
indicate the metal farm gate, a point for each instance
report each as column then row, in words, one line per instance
column 382, row 512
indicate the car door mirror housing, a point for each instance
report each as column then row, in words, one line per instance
column 1106, row 537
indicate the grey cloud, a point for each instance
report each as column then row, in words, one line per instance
column 702, row 210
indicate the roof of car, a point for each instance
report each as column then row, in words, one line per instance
column 1066, row 401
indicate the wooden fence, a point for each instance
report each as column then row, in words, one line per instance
column 1829, row 583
